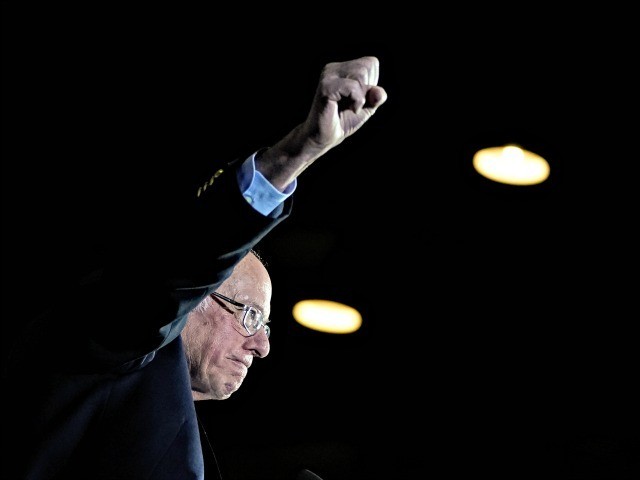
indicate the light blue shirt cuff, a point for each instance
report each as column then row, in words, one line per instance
column 258, row 191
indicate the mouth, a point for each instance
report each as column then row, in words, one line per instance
column 246, row 363
column 241, row 367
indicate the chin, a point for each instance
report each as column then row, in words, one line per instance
column 229, row 389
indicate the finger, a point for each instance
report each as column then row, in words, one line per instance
column 372, row 64
column 337, row 89
column 376, row 96
column 365, row 70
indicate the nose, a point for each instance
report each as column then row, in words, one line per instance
column 259, row 344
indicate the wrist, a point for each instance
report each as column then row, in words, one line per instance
column 281, row 163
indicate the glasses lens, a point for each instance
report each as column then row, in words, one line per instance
column 253, row 321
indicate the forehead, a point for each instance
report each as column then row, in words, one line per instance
column 250, row 283
column 250, row 270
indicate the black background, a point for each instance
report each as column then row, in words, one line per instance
column 499, row 329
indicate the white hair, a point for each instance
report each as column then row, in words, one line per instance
column 204, row 304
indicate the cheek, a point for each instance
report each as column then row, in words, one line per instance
column 217, row 342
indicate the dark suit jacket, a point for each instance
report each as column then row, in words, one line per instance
column 98, row 386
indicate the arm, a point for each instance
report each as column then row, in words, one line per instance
column 346, row 96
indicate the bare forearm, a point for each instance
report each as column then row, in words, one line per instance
column 286, row 160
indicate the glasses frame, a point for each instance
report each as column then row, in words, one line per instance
column 245, row 312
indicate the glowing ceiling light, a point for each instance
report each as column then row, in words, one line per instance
column 327, row 316
column 511, row 165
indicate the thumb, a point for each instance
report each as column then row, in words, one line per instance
column 376, row 96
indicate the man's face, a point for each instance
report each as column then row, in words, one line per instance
column 219, row 350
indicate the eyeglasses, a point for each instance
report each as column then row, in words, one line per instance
column 252, row 318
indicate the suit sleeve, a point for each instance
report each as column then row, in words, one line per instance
column 165, row 255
